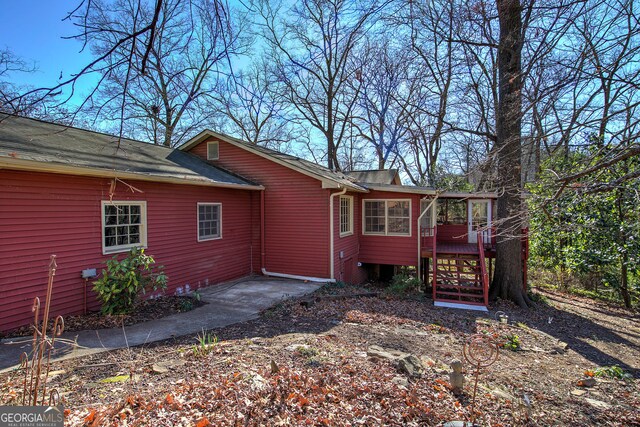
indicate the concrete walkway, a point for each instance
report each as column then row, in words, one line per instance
column 227, row 304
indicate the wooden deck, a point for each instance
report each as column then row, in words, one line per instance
column 457, row 248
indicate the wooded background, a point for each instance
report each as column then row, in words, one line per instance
column 534, row 99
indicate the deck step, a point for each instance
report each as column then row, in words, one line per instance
column 453, row 286
column 459, row 279
column 479, row 297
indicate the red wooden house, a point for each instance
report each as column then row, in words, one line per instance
column 376, row 223
column 217, row 209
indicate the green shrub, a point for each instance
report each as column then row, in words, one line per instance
column 186, row 304
column 404, row 283
column 122, row 281
column 511, row 342
column 613, row 372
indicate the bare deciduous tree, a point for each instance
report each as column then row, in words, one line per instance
column 154, row 86
column 313, row 43
column 250, row 110
column 382, row 114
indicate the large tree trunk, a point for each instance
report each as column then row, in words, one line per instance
column 624, row 281
column 507, row 280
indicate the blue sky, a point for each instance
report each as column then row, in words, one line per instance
column 33, row 30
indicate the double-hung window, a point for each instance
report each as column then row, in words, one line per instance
column 346, row 215
column 209, row 221
column 387, row 217
column 124, row 226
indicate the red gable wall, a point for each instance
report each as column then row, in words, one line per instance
column 296, row 211
column 43, row 214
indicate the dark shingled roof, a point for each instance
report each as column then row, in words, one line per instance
column 23, row 139
column 377, row 176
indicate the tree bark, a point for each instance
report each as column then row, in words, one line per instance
column 624, row 281
column 507, row 280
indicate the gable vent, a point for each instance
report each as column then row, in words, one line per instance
column 213, row 151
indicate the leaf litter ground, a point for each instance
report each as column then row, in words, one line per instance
column 304, row 362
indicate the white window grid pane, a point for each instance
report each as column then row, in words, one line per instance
column 398, row 217
column 374, row 216
column 208, row 221
column 122, row 225
column 345, row 215
column 387, row 217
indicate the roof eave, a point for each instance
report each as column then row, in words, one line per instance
column 35, row 166
column 408, row 190
column 468, row 195
column 333, row 184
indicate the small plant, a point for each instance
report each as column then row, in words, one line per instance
column 539, row 298
column 522, row 325
column 186, row 304
column 437, row 328
column 310, row 354
column 306, row 351
column 614, row 371
column 404, row 284
column 122, row 281
column 512, row 342
column 206, row 343
column 197, row 295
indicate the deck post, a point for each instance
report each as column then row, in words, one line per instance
column 434, row 257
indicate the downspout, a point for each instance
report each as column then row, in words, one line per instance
column 263, row 254
column 420, row 233
column 331, row 228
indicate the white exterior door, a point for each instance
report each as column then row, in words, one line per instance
column 479, row 217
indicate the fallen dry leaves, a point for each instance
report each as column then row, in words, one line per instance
column 324, row 377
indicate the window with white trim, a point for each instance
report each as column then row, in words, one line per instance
column 213, row 150
column 209, row 221
column 387, row 217
column 346, row 215
column 124, row 226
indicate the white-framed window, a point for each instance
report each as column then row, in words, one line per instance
column 209, row 221
column 386, row 217
column 124, row 226
column 346, row 215
column 213, row 150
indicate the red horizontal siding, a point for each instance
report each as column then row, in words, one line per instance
column 452, row 233
column 394, row 250
column 43, row 214
column 296, row 211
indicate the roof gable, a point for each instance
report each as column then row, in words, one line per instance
column 376, row 176
column 329, row 178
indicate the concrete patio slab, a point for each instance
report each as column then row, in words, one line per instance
column 226, row 304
